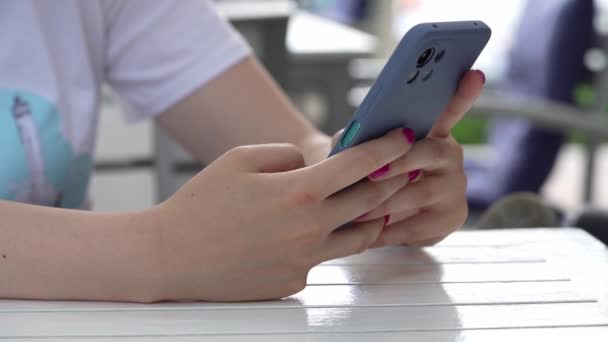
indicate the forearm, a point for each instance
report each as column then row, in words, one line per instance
column 242, row 106
column 49, row 253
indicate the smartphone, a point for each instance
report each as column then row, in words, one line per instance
column 417, row 82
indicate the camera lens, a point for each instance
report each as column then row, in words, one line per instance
column 412, row 76
column 427, row 75
column 425, row 57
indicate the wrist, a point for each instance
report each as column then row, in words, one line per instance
column 126, row 264
column 148, row 234
column 179, row 256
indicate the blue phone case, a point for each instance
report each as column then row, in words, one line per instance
column 394, row 102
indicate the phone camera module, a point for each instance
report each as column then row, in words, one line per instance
column 425, row 57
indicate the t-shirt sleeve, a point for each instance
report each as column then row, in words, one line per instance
column 158, row 52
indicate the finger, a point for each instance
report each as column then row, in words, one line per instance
column 421, row 194
column 430, row 154
column 428, row 225
column 354, row 164
column 469, row 89
column 348, row 205
column 390, row 218
column 352, row 240
column 267, row 158
column 400, row 216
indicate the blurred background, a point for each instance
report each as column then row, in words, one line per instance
column 540, row 126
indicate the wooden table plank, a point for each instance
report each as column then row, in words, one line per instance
column 290, row 321
column 586, row 334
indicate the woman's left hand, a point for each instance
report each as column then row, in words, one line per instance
column 433, row 204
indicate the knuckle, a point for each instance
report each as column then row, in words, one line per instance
column 291, row 148
column 302, row 196
column 297, row 159
column 237, row 152
column 426, row 193
column 297, row 284
column 437, row 152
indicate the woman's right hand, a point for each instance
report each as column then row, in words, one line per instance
column 254, row 222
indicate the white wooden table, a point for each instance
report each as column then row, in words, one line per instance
column 517, row 285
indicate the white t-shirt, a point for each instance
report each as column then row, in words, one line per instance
column 54, row 57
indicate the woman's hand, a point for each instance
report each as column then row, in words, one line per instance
column 434, row 203
column 254, row 222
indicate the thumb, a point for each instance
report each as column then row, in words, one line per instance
column 468, row 90
column 267, row 158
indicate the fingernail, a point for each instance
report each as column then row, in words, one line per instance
column 413, row 175
column 483, row 76
column 386, row 219
column 362, row 217
column 380, row 172
column 410, row 135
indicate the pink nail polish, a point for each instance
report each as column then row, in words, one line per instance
column 413, row 175
column 410, row 135
column 483, row 76
column 386, row 219
column 380, row 172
